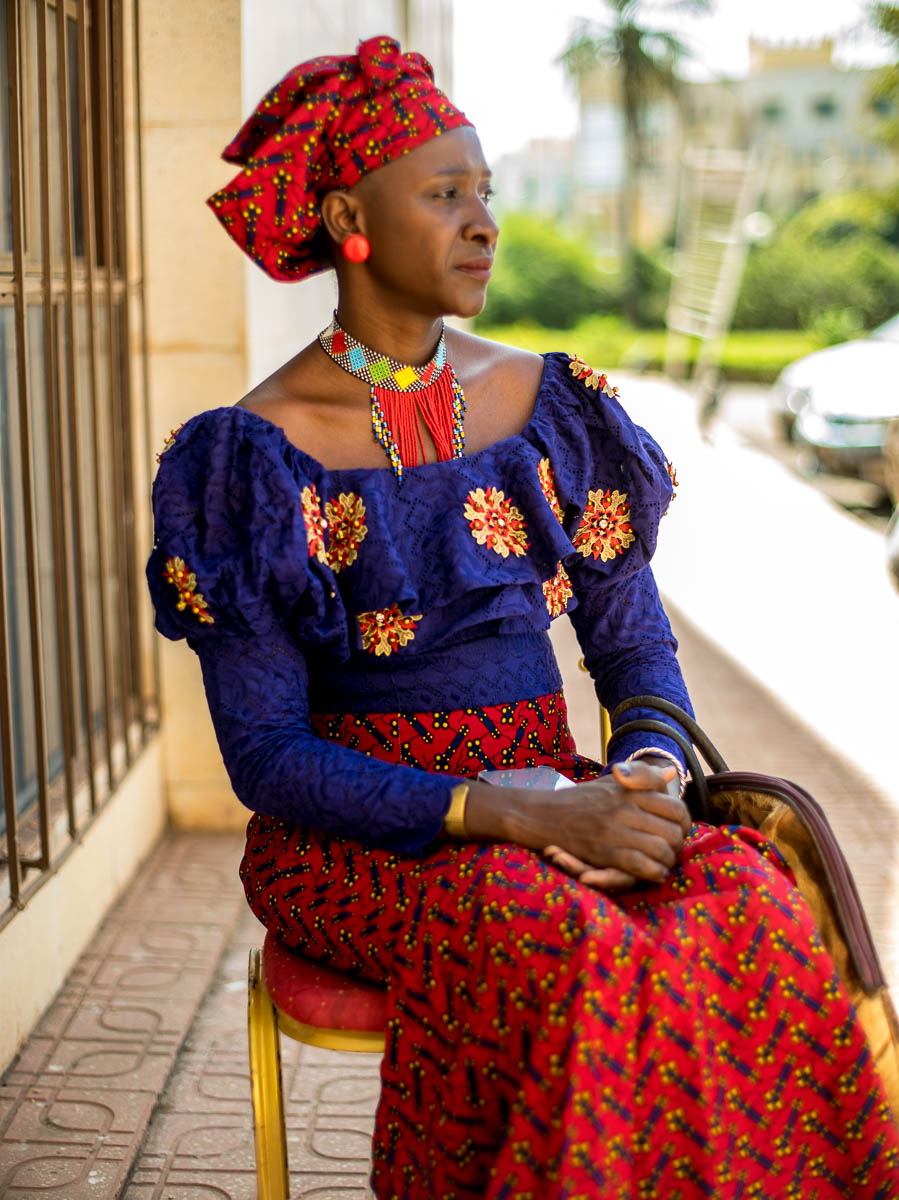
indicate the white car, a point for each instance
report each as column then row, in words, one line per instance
column 838, row 402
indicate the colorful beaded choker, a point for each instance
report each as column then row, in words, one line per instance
column 403, row 396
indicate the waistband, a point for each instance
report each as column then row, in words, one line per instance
column 529, row 733
column 499, row 669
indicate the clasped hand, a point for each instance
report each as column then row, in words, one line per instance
column 613, row 831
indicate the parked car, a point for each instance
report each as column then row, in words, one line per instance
column 838, row 403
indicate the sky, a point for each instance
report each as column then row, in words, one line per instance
column 507, row 82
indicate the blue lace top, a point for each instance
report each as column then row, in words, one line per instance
column 308, row 590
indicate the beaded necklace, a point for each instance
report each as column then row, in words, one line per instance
column 403, row 396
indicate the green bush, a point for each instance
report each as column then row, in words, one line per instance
column 648, row 284
column 542, row 276
column 790, row 284
column 610, row 343
column 833, row 269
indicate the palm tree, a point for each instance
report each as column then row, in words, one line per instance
column 645, row 60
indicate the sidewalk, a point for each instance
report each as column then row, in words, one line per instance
column 135, row 1084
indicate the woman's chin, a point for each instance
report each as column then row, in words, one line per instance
column 468, row 306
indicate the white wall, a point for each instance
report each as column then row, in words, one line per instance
column 283, row 317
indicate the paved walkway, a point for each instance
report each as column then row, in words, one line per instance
column 135, row 1084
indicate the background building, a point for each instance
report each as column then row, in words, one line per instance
column 813, row 121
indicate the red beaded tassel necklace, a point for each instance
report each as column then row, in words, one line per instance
column 402, row 397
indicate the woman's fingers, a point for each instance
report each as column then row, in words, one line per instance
column 566, row 861
column 640, row 856
column 606, row 878
column 649, row 782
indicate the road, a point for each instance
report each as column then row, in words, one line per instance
column 744, row 409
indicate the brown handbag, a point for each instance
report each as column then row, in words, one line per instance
column 796, row 824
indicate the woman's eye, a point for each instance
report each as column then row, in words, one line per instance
column 448, row 194
column 487, row 195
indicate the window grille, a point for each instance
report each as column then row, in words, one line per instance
column 77, row 699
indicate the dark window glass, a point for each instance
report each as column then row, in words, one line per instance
column 824, row 107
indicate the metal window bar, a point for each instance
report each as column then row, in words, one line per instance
column 78, row 580
column 112, row 454
column 63, row 170
column 73, row 589
column 18, row 163
column 51, row 382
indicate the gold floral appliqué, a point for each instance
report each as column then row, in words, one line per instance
column 672, row 474
column 386, row 629
column 315, row 523
column 347, row 529
column 495, row 522
column 169, row 441
column 605, row 529
column 179, row 576
column 557, row 592
column 548, row 487
column 591, row 377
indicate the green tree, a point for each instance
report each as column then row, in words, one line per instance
column 832, row 268
column 544, row 276
column 885, row 18
column 645, row 59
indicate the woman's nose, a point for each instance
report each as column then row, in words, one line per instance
column 482, row 225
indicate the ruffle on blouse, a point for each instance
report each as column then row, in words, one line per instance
column 460, row 549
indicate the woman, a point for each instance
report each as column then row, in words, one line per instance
column 646, row 1010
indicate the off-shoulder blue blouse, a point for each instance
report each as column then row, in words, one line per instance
column 308, row 590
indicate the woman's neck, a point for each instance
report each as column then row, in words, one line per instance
column 408, row 338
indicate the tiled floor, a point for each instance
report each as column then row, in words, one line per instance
column 200, row 1143
column 80, row 1096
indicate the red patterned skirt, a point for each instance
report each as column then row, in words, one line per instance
column 545, row 1040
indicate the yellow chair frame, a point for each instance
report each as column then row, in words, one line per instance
column 265, row 1023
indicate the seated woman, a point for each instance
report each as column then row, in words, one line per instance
column 366, row 554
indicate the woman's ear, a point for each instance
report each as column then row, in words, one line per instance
column 341, row 215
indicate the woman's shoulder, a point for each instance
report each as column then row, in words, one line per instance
column 482, row 360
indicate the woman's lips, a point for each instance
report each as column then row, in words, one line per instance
column 479, row 268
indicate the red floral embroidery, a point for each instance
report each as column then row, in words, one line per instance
column 496, row 522
column 347, row 529
column 557, row 592
column 605, row 530
column 169, row 441
column 386, row 629
column 591, row 377
column 548, row 487
column 315, row 523
column 179, row 576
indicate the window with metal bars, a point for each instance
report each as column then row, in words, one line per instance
column 75, row 700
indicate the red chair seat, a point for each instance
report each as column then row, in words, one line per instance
column 317, row 995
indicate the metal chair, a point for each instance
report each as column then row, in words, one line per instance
column 311, row 1003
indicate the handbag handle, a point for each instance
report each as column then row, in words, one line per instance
column 696, row 736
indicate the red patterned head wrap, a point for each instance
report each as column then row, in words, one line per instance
column 326, row 124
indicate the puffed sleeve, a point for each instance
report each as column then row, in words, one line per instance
column 616, row 485
column 237, row 569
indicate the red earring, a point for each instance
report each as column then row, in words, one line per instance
column 356, row 248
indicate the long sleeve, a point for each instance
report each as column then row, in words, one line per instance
column 256, row 688
column 629, row 650
column 612, row 484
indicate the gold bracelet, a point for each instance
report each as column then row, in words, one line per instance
column 454, row 821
